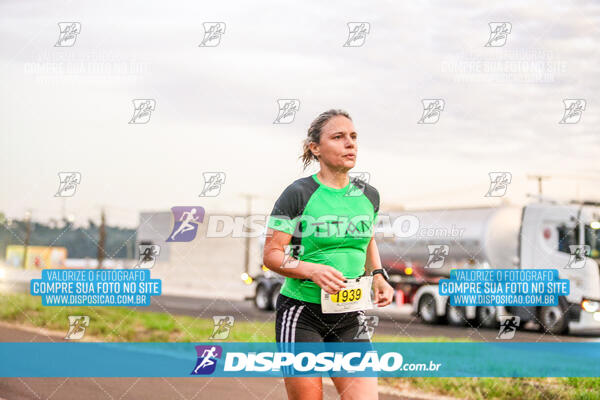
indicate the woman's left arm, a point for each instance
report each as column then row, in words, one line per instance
column 383, row 291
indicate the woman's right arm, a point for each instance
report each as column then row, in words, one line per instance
column 326, row 277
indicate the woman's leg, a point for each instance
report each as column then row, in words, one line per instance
column 353, row 328
column 304, row 388
column 350, row 387
column 294, row 323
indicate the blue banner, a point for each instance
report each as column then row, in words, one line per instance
column 221, row 359
column 504, row 287
column 95, row 287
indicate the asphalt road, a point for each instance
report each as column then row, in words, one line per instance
column 392, row 321
column 142, row 388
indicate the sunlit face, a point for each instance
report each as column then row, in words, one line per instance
column 338, row 145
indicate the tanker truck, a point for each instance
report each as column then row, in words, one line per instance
column 418, row 248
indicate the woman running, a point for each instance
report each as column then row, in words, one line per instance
column 326, row 219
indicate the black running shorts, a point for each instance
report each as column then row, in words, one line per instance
column 301, row 321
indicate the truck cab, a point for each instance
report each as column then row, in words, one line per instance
column 566, row 237
column 543, row 235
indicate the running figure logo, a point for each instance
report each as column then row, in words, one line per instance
column 212, row 34
column 68, row 34
column 578, row 256
column 573, row 110
column 142, row 110
column 437, row 255
column 207, row 359
column 432, row 109
column 68, row 183
column 287, row 111
column 357, row 34
column 77, row 325
column 148, row 255
column 498, row 34
column 498, row 184
column 508, row 326
column 359, row 182
column 291, row 255
column 186, row 220
column 223, row 324
column 366, row 326
column 212, row 183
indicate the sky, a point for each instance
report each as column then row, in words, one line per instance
column 67, row 108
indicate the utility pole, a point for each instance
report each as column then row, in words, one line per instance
column 539, row 178
column 101, row 238
column 63, row 208
column 27, row 237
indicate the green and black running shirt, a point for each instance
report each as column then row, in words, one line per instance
column 328, row 226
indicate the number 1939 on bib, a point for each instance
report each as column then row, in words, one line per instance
column 355, row 296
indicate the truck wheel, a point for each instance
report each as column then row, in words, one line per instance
column 427, row 309
column 455, row 315
column 262, row 299
column 274, row 295
column 486, row 317
column 553, row 319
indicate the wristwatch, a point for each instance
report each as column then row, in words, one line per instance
column 382, row 272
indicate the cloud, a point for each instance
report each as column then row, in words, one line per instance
column 68, row 108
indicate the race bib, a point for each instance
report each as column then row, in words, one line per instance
column 354, row 297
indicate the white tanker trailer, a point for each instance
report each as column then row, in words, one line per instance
column 418, row 248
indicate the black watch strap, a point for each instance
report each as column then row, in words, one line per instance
column 382, row 272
